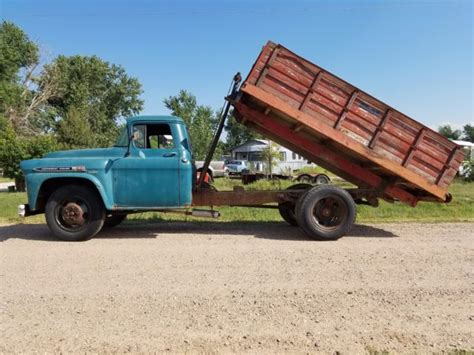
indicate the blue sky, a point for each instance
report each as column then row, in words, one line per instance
column 417, row 56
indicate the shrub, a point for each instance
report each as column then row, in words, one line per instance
column 14, row 149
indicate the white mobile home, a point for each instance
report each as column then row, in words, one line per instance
column 251, row 151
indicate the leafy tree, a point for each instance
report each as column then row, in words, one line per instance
column 3, row 125
column 468, row 132
column 449, row 132
column 15, row 148
column 201, row 121
column 19, row 58
column 237, row 134
column 91, row 90
column 19, row 102
column 76, row 99
column 271, row 155
column 17, row 51
column 74, row 131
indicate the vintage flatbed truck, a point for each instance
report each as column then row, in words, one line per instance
column 384, row 153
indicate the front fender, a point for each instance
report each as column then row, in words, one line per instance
column 36, row 180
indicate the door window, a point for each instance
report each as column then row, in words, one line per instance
column 153, row 136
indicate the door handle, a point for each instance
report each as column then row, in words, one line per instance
column 169, row 155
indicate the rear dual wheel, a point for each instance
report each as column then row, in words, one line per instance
column 325, row 212
column 287, row 209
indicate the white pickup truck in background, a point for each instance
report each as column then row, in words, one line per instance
column 217, row 168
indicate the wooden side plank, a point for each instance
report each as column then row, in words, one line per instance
column 380, row 128
column 312, row 89
column 326, row 154
column 414, row 147
column 447, row 165
column 339, row 137
column 346, row 109
column 364, row 118
column 268, row 65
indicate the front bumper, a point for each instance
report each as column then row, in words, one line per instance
column 24, row 211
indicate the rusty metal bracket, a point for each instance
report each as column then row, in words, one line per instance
column 224, row 112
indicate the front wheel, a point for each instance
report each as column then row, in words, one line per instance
column 325, row 212
column 74, row 213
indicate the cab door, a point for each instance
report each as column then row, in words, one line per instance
column 149, row 176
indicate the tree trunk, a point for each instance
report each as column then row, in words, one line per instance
column 20, row 185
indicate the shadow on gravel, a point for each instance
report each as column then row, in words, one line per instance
column 265, row 230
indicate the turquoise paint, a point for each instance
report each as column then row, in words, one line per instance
column 143, row 179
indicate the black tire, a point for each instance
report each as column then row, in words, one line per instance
column 287, row 212
column 114, row 220
column 321, row 179
column 325, row 212
column 74, row 213
column 287, row 209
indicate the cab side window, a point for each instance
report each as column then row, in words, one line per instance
column 153, row 136
column 139, row 134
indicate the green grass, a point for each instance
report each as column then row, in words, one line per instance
column 4, row 179
column 461, row 209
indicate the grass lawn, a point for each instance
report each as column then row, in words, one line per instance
column 461, row 209
column 4, row 179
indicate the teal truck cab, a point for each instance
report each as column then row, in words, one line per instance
column 149, row 167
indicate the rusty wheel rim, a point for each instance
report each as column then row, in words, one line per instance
column 73, row 215
column 330, row 212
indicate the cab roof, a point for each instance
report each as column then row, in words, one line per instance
column 148, row 118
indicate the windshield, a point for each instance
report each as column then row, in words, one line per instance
column 122, row 140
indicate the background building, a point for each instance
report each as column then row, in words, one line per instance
column 252, row 152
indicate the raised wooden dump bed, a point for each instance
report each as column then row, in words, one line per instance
column 345, row 130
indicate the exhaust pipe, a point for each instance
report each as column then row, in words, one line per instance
column 205, row 213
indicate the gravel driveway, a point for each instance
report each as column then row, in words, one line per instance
column 211, row 287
